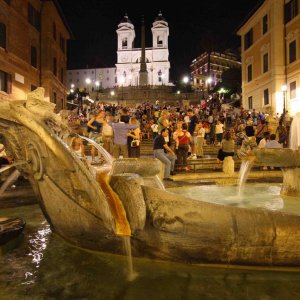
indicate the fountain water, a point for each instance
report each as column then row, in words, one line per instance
column 243, row 175
column 107, row 157
column 9, row 181
column 294, row 142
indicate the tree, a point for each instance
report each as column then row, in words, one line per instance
column 231, row 81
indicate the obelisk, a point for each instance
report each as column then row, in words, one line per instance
column 143, row 80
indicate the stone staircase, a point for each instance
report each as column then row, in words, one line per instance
column 206, row 163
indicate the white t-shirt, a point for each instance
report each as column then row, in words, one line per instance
column 201, row 132
column 154, row 127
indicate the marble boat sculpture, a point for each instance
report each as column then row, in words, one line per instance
column 95, row 209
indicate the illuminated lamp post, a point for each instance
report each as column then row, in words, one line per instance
column 88, row 82
column 284, row 89
column 122, row 81
column 185, row 81
column 97, row 84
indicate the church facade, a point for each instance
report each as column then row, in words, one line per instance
column 129, row 58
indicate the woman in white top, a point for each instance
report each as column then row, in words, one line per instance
column 200, row 139
column 219, row 132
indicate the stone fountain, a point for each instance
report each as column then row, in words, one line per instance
column 95, row 208
column 288, row 159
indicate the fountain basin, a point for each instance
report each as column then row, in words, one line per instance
column 283, row 158
column 289, row 161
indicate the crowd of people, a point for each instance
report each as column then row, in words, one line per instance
column 178, row 132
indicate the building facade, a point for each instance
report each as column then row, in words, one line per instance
column 92, row 79
column 271, row 57
column 156, row 57
column 207, row 69
column 33, row 36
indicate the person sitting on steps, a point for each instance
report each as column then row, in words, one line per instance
column 169, row 158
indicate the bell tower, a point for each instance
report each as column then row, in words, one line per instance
column 160, row 32
column 126, row 34
column 161, row 64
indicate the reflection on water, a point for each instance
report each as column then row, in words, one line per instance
column 46, row 267
column 254, row 196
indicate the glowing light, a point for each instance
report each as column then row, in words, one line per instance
column 88, row 81
column 185, row 79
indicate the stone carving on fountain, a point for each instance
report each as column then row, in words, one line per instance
column 288, row 159
column 93, row 211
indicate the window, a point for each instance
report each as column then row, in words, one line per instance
column 54, row 31
column 33, row 87
column 33, row 57
column 62, row 44
column 54, row 66
column 292, row 51
column 266, row 97
column 62, row 75
column 293, row 88
column 2, row 35
column 290, row 10
column 33, row 17
column 159, row 42
column 249, row 73
column 5, row 82
column 248, row 39
column 250, row 102
column 124, row 43
column 265, row 24
column 54, row 97
column 265, row 62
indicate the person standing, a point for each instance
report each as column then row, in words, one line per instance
column 200, row 139
column 133, row 139
column 169, row 158
column 182, row 144
column 191, row 129
column 107, row 135
column 95, row 126
column 219, row 132
column 120, row 136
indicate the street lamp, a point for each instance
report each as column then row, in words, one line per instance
column 88, row 82
column 72, row 85
column 122, row 80
column 97, row 84
column 222, row 91
column 185, row 81
column 284, row 89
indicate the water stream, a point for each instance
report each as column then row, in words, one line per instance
column 9, row 181
column 243, row 175
column 107, row 157
column 131, row 275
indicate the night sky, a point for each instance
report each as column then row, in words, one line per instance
column 193, row 30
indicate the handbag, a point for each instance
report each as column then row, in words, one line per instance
column 135, row 143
